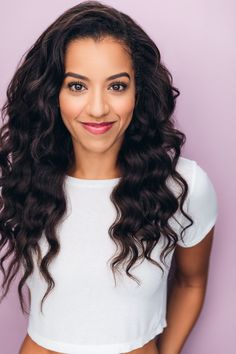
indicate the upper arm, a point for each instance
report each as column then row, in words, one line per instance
column 192, row 252
column 201, row 205
column 192, row 263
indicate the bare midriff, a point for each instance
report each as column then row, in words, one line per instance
column 30, row 347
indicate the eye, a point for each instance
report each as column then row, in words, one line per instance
column 119, row 84
column 74, row 86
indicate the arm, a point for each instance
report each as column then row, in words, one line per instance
column 187, row 294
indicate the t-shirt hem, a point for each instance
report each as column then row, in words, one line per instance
column 117, row 348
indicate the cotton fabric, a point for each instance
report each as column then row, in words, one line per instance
column 86, row 313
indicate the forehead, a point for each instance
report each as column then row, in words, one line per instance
column 88, row 55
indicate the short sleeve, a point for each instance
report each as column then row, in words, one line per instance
column 202, row 206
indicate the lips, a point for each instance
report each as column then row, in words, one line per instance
column 102, row 124
column 97, row 128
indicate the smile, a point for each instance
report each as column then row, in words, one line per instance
column 99, row 128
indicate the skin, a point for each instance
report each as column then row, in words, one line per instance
column 187, row 295
column 97, row 100
column 30, row 347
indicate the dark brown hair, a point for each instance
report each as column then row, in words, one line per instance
column 36, row 149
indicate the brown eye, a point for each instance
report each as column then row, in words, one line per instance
column 75, row 86
column 119, row 84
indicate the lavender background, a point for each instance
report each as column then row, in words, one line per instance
column 197, row 43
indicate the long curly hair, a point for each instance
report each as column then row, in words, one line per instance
column 36, row 150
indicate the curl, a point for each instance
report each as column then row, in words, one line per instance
column 36, row 150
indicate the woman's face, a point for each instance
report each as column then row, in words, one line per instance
column 97, row 97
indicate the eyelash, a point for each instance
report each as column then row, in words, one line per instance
column 80, row 83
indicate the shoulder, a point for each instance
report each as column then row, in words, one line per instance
column 201, row 203
column 186, row 167
column 199, row 182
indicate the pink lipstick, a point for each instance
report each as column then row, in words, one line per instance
column 98, row 128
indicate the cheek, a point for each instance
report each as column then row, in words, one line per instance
column 125, row 108
column 70, row 107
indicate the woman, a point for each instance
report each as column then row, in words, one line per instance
column 96, row 199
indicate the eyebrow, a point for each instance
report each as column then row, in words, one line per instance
column 82, row 77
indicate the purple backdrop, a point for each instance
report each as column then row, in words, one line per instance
column 197, row 43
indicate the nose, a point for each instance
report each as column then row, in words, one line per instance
column 97, row 106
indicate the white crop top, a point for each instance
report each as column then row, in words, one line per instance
column 86, row 313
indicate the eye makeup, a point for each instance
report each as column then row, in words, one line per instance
column 117, row 83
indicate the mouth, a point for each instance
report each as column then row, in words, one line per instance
column 101, row 124
column 97, row 128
